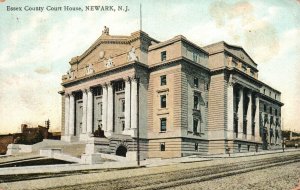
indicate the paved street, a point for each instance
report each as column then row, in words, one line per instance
column 275, row 171
column 275, row 178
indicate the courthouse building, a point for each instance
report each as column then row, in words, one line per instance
column 168, row 99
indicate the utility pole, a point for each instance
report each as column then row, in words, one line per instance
column 138, row 126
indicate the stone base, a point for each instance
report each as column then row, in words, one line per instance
column 12, row 149
column 108, row 133
column 84, row 137
column 91, row 158
column 69, row 138
column 49, row 152
column 96, row 145
column 130, row 132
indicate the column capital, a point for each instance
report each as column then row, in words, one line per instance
column 249, row 92
column 231, row 82
column 103, row 84
column 84, row 90
column 66, row 95
column 109, row 84
column 127, row 79
column 134, row 79
column 89, row 90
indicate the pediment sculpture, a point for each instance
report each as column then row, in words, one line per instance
column 131, row 55
column 109, row 63
column 90, row 69
column 70, row 74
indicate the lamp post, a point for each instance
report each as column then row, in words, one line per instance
column 283, row 144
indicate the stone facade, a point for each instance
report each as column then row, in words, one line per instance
column 168, row 99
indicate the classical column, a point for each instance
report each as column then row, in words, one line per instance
column 84, row 110
column 241, row 113
column 134, row 84
column 104, row 107
column 89, row 114
column 110, row 108
column 249, row 116
column 127, row 104
column 230, row 112
column 67, row 112
column 256, row 120
column 72, row 115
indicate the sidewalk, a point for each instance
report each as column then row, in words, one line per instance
column 131, row 164
column 105, row 175
column 246, row 154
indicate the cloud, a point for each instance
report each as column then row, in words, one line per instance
column 257, row 36
column 42, row 70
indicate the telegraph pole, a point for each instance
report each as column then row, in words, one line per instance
column 138, row 126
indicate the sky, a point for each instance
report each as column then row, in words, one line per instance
column 36, row 46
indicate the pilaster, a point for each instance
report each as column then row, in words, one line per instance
column 72, row 115
column 230, row 111
column 241, row 113
column 134, row 98
column 249, row 116
column 67, row 112
column 110, row 109
column 127, row 105
column 89, row 115
column 256, row 120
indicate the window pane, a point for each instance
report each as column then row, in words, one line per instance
column 195, row 125
column 162, row 147
column 123, row 105
column 163, row 55
column 196, row 146
column 163, row 101
column 163, row 80
column 163, row 124
column 196, row 102
column 196, row 82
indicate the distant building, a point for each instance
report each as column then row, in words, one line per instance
column 184, row 99
column 6, row 140
column 28, row 135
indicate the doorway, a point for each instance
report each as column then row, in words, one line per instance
column 121, row 151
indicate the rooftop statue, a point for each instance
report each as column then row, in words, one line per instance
column 105, row 31
column 131, row 55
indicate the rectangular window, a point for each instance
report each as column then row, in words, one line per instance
column 163, row 124
column 196, row 82
column 162, row 146
column 196, row 102
column 265, row 108
column 163, row 101
column 97, row 91
column 163, row 56
column 196, row 146
column 248, row 148
column 101, row 109
column 163, row 80
column 195, row 126
column 271, row 111
column 276, row 112
column 123, row 125
column 123, row 105
column 195, row 57
column 119, row 86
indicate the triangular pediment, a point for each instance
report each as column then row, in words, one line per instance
column 240, row 53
